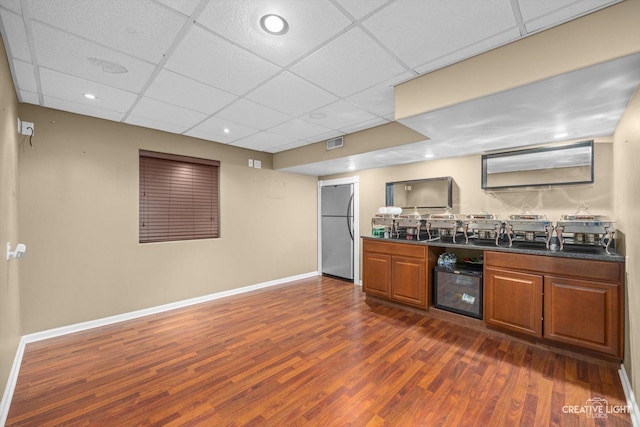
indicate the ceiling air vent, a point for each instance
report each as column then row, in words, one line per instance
column 335, row 143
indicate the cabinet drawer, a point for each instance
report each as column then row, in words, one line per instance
column 581, row 268
column 400, row 249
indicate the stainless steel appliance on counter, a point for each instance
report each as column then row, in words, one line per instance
column 337, row 230
column 446, row 224
column 528, row 227
column 585, row 229
column 482, row 226
column 384, row 224
column 410, row 224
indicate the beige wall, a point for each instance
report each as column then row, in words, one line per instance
column 384, row 136
column 627, row 206
column 9, row 284
column 79, row 219
column 469, row 198
column 78, row 195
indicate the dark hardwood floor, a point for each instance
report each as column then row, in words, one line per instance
column 311, row 352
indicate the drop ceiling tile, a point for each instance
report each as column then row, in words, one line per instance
column 265, row 141
column 25, row 76
column 29, row 97
column 186, row 7
column 379, row 99
column 71, row 89
column 219, row 63
column 477, row 48
column 252, row 114
column 291, row 95
column 159, row 111
column 542, row 14
column 73, row 55
column 16, row 36
column 212, row 129
column 299, row 129
column 311, row 23
column 12, row 5
column 82, row 109
column 364, row 125
column 340, row 115
column 431, row 29
column 290, row 146
column 349, row 64
column 324, row 136
column 176, row 89
column 360, row 8
column 141, row 28
column 155, row 124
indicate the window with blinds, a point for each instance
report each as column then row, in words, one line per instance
column 179, row 198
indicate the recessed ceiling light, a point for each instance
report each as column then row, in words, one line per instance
column 428, row 155
column 226, row 130
column 89, row 96
column 274, row 24
column 560, row 135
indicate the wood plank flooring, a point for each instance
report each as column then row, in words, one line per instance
column 311, row 352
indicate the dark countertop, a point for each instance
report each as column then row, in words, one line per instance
column 596, row 253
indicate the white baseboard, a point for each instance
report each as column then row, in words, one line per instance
column 11, row 383
column 64, row 330
column 631, row 398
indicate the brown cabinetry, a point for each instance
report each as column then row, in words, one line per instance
column 409, row 280
column 583, row 313
column 397, row 271
column 570, row 301
column 376, row 274
column 513, row 301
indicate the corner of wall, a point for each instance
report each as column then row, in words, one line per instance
column 9, row 290
column 626, row 151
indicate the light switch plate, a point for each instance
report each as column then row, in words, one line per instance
column 257, row 164
column 250, row 163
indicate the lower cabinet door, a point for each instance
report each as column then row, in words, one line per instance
column 513, row 301
column 583, row 313
column 409, row 280
column 376, row 274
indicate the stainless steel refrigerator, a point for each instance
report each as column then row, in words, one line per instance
column 337, row 230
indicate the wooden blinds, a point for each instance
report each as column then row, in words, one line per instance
column 178, row 198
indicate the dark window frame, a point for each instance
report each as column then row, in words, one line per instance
column 179, row 198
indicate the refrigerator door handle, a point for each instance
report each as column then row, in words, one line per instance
column 349, row 216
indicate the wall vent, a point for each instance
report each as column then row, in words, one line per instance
column 335, row 143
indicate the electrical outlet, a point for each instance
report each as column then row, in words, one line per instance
column 250, row 163
column 257, row 164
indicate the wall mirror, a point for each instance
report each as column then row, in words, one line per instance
column 421, row 193
column 553, row 165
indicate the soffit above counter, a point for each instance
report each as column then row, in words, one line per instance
column 514, row 96
column 608, row 34
column 369, row 148
column 582, row 104
column 527, row 93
